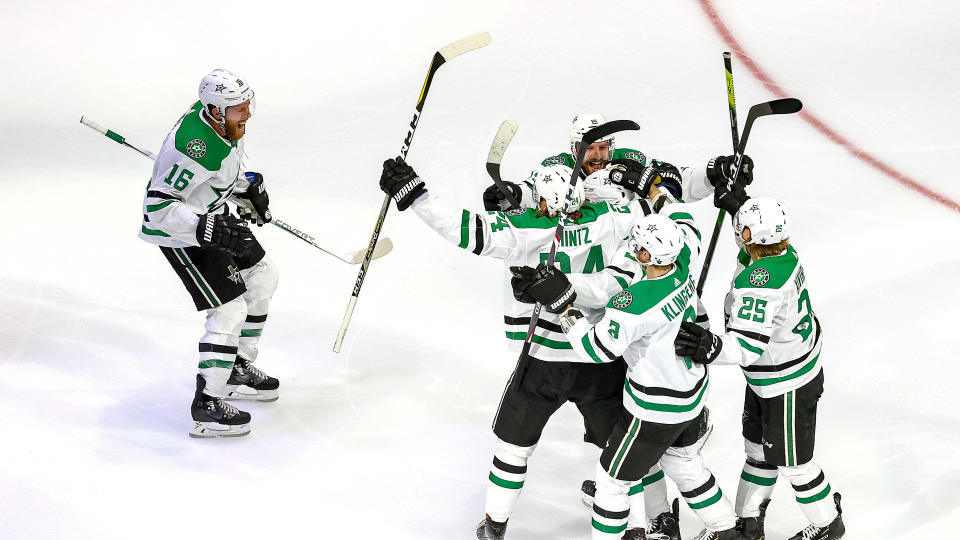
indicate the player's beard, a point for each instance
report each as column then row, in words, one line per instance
column 594, row 166
column 235, row 131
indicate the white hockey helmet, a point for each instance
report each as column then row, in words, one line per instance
column 583, row 123
column 767, row 219
column 551, row 183
column 660, row 236
column 222, row 89
column 598, row 188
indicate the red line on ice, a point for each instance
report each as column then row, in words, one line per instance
column 818, row 124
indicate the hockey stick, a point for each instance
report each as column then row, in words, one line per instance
column 590, row 137
column 497, row 148
column 440, row 57
column 352, row 257
column 732, row 103
column 777, row 106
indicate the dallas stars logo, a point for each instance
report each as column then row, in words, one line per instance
column 196, row 148
column 622, row 299
column 234, row 275
column 220, row 88
column 759, row 277
column 651, row 227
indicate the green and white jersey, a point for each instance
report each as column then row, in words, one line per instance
column 520, row 238
column 195, row 171
column 640, row 325
column 772, row 331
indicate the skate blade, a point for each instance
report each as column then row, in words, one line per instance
column 587, row 500
column 210, row 430
column 245, row 393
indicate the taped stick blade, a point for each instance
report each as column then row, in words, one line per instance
column 465, row 45
column 500, row 142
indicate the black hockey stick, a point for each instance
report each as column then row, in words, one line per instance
column 590, row 137
column 452, row 50
column 499, row 145
column 777, row 106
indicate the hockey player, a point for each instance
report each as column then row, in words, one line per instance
column 556, row 374
column 773, row 334
column 663, row 419
column 623, row 166
column 223, row 267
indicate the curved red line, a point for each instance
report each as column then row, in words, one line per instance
column 857, row 152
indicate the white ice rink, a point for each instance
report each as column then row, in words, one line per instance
column 391, row 438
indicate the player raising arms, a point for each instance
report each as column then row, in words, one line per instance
column 773, row 334
column 216, row 256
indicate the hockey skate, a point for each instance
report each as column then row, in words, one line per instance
column 832, row 531
column 489, row 529
column 634, row 534
column 248, row 382
column 587, row 490
column 751, row 528
column 666, row 526
column 214, row 418
column 728, row 534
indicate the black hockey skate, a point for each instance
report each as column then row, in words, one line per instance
column 751, row 528
column 634, row 534
column 489, row 529
column 214, row 418
column 248, row 382
column 832, row 531
column 728, row 534
column 666, row 526
column 587, row 491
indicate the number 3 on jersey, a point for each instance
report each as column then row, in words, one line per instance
column 805, row 326
column 182, row 181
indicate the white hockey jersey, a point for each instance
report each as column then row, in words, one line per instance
column 195, row 171
column 772, row 331
column 520, row 238
column 640, row 325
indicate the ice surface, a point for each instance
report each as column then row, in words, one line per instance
column 391, row 437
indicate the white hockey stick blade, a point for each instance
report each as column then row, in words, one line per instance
column 464, row 45
column 384, row 246
column 500, row 142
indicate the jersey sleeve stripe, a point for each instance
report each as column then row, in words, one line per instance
column 161, row 195
column 152, row 232
column 479, row 235
column 785, row 365
column 589, row 348
column 161, row 206
column 755, row 350
column 607, row 352
column 619, row 270
column 756, row 336
column 525, row 321
column 464, row 230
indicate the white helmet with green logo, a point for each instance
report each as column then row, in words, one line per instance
column 222, row 89
column 767, row 219
column 660, row 236
column 583, row 123
column 551, row 184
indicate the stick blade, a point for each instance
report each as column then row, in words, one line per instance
column 609, row 128
column 785, row 106
column 500, row 142
column 384, row 246
column 465, row 45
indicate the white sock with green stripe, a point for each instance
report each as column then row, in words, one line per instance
column 507, row 475
column 613, row 505
column 812, row 492
column 250, row 335
column 684, row 465
column 654, row 497
column 756, row 481
column 261, row 281
column 219, row 344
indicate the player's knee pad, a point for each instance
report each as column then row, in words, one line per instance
column 227, row 318
column 800, row 474
column 513, row 454
column 684, row 465
column 753, row 450
column 261, row 280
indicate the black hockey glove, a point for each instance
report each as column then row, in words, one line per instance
column 495, row 201
column 226, row 232
column 400, row 182
column 669, row 179
column 628, row 173
column 701, row 346
column 253, row 205
column 729, row 199
column 720, row 170
column 552, row 289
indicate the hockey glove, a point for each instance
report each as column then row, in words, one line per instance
column 669, row 179
column 729, row 199
column 720, row 170
column 401, row 183
column 495, row 201
column 550, row 288
column 226, row 232
column 701, row 346
column 628, row 173
column 253, row 204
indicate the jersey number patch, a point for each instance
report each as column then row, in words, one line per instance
column 182, row 181
column 754, row 305
column 805, row 326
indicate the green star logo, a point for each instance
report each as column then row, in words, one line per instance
column 622, row 299
column 196, row 148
